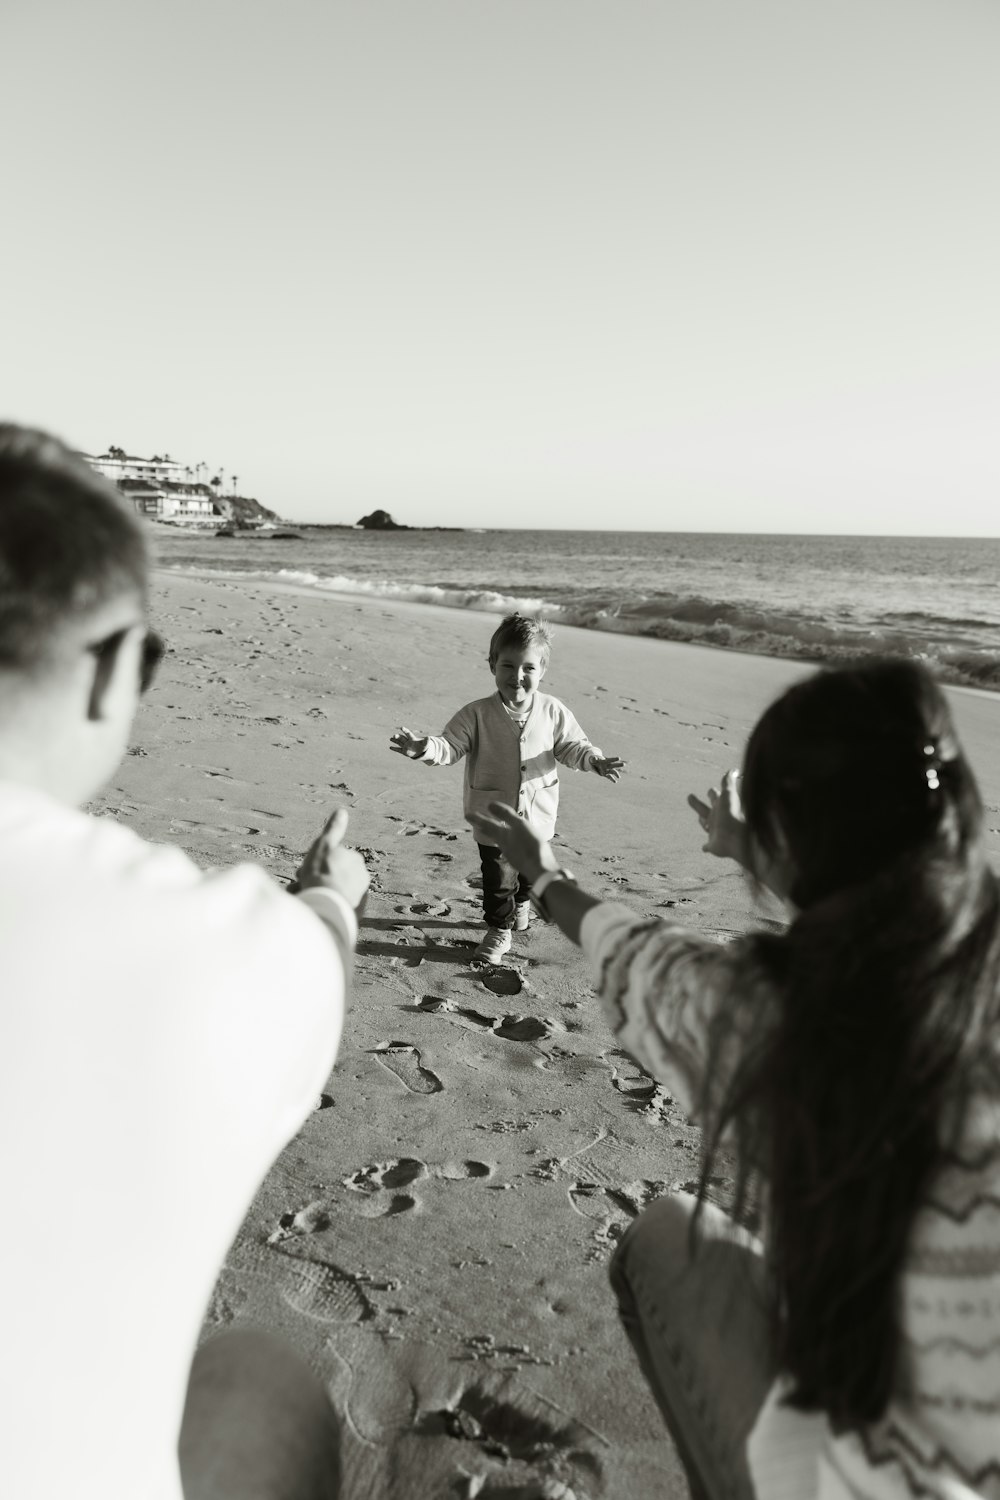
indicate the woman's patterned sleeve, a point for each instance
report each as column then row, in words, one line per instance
column 661, row 986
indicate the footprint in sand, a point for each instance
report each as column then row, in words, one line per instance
column 511, row 1028
column 642, row 1094
column 523, row 1029
column 372, row 1192
column 628, row 1077
column 462, row 1171
column 403, row 1059
column 501, row 981
column 413, row 942
column 412, row 830
column 612, row 1209
column 387, row 1174
column 371, row 1182
column 610, row 1214
column 326, row 1294
column 522, row 1433
column 592, row 1201
column 313, row 1218
column 371, row 1208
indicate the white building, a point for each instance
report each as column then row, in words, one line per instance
column 117, row 464
column 157, row 486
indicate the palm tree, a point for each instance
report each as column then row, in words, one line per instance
column 235, row 481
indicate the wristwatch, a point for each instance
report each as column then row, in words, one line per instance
column 542, row 884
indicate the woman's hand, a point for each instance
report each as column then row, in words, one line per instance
column 405, row 742
column 501, row 827
column 722, row 820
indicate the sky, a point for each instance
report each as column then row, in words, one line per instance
column 698, row 265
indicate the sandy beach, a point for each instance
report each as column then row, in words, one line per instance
column 436, row 1238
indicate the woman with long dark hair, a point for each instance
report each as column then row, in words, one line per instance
column 853, row 1064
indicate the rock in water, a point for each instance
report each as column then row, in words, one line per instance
column 380, row 520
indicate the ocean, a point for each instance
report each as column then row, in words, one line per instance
column 817, row 598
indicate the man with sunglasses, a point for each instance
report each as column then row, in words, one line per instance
column 164, row 1034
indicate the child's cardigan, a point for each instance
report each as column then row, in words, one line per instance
column 505, row 764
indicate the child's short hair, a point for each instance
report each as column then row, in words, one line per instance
column 522, row 631
column 68, row 544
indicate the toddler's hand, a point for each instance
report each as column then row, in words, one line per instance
column 612, row 767
column 405, row 742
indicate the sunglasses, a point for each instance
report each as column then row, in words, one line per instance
column 153, row 650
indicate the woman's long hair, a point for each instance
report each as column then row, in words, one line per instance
column 887, row 985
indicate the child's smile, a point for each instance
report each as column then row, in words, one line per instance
column 517, row 672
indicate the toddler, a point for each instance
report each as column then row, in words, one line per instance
column 511, row 741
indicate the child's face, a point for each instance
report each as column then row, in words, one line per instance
column 517, row 672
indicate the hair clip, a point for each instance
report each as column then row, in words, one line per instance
column 931, row 771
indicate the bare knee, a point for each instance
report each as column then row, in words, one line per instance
column 257, row 1424
column 660, row 1237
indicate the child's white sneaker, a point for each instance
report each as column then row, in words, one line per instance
column 522, row 916
column 493, row 946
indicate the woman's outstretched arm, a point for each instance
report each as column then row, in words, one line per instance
column 565, row 902
column 727, row 837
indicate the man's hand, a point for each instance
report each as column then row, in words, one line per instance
column 329, row 863
column 502, row 827
column 405, row 742
column 612, row 767
column 722, row 820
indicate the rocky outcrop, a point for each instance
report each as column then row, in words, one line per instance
column 380, row 520
column 241, row 510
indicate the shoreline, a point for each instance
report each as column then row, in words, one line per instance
column 236, row 578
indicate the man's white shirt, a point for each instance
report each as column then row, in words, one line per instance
column 163, row 1034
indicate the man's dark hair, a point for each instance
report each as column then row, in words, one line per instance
column 68, row 544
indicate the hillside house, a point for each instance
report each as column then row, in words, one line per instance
column 157, row 487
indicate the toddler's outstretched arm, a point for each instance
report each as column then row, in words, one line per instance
column 405, row 742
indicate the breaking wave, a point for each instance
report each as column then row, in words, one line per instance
column 940, row 642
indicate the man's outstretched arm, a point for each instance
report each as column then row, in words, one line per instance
column 333, row 881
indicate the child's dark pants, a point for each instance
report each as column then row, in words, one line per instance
column 503, row 887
